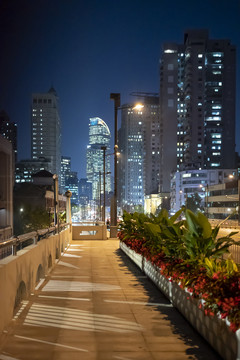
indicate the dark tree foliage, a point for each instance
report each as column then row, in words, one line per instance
column 193, row 203
column 31, row 219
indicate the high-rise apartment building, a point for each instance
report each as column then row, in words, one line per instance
column 46, row 129
column 65, row 171
column 197, row 105
column 99, row 136
column 85, row 191
column 72, row 185
column 8, row 130
column 139, row 146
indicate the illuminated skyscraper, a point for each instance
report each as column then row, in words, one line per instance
column 46, row 129
column 99, row 135
column 65, row 171
column 139, row 161
column 197, row 105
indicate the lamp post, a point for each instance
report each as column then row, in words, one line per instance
column 207, row 201
column 55, row 186
column 100, row 189
column 116, row 98
column 68, row 195
column 104, row 148
column 238, row 185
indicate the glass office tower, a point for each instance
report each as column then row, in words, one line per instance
column 99, row 136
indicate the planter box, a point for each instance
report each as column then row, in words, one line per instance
column 213, row 329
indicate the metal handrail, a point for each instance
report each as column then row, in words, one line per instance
column 34, row 235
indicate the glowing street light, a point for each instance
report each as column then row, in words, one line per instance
column 138, row 106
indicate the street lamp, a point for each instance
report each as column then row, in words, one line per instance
column 104, row 148
column 100, row 189
column 207, row 201
column 116, row 98
column 55, row 183
column 138, row 107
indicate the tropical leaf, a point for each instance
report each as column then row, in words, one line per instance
column 204, row 223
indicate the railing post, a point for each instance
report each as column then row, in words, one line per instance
column 35, row 239
column 14, row 247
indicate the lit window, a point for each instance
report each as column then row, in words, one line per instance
column 218, row 54
column 169, row 51
column 216, row 136
column 200, row 55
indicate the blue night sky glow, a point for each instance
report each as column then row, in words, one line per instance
column 88, row 49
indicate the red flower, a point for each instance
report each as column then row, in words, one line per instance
column 215, row 276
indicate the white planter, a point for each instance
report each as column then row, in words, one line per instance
column 213, row 329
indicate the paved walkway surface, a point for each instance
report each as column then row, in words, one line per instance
column 97, row 305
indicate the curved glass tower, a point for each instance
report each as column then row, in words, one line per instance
column 99, row 135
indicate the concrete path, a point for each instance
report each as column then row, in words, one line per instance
column 97, row 305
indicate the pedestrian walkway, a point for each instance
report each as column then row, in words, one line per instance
column 97, row 305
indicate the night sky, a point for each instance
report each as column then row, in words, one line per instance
column 88, row 49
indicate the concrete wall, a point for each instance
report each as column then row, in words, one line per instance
column 89, row 232
column 19, row 274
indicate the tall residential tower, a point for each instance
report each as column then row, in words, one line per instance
column 46, row 129
column 197, row 105
column 139, row 161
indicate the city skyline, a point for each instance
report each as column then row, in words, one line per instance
column 87, row 51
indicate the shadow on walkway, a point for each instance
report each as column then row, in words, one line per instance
column 180, row 326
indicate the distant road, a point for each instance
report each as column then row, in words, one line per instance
column 235, row 250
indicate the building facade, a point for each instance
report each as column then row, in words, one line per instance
column 222, row 200
column 6, row 188
column 197, row 105
column 186, row 183
column 25, row 169
column 65, row 171
column 139, row 146
column 85, row 191
column 46, row 129
column 99, row 136
column 71, row 184
column 8, row 130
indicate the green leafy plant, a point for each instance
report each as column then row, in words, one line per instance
column 189, row 252
column 201, row 240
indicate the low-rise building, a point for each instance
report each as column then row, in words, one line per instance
column 153, row 202
column 25, row 169
column 222, row 200
column 186, row 183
